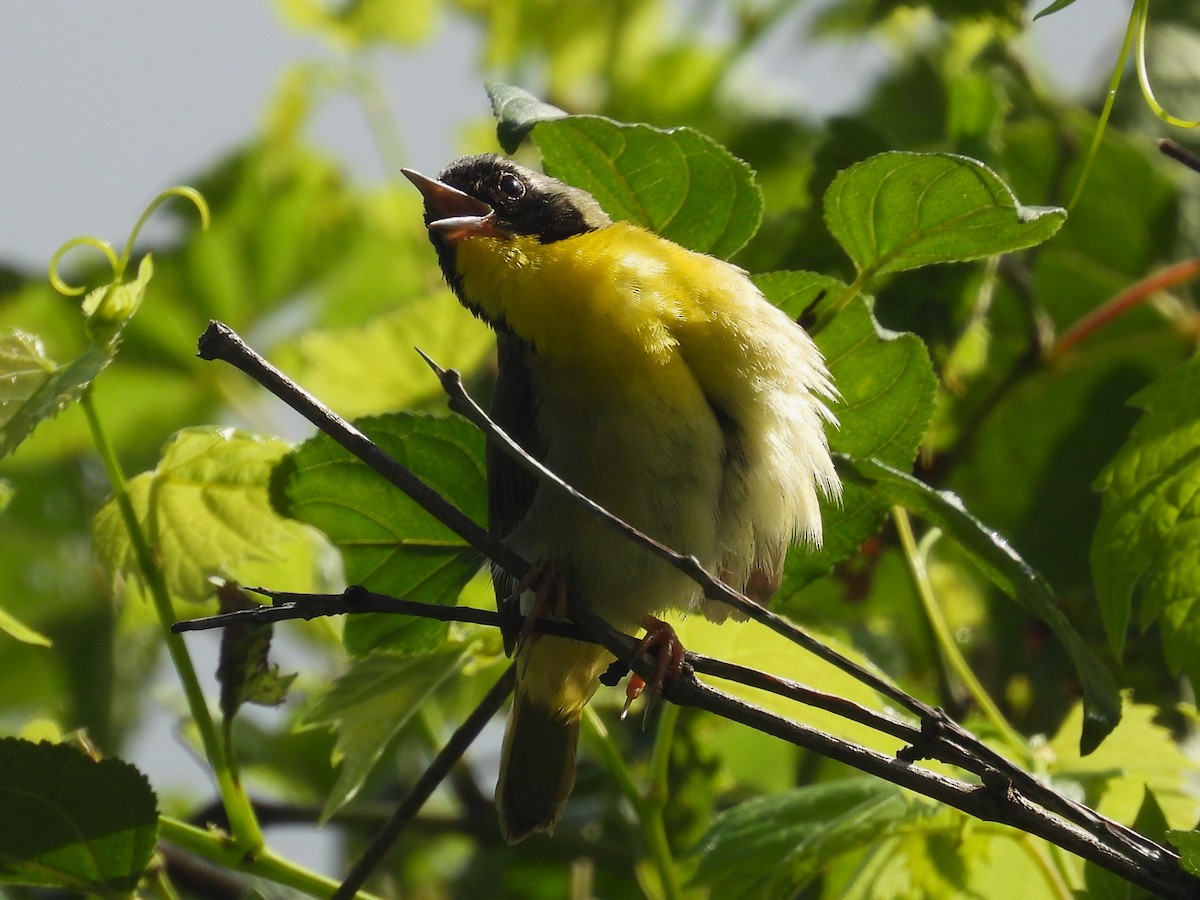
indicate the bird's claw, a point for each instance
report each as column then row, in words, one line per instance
column 669, row 653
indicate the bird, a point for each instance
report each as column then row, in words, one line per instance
column 656, row 380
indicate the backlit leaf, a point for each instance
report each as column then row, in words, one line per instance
column 774, row 845
column 204, row 509
column 33, row 388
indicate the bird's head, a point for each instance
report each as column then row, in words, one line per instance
column 489, row 196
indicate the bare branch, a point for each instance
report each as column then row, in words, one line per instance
column 1006, row 793
column 427, row 783
column 220, row 341
column 357, row 599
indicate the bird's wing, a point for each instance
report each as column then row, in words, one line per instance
column 510, row 487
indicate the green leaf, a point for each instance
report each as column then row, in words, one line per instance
column 368, row 705
column 371, row 369
column 678, row 183
column 773, row 846
column 73, row 822
column 1147, row 542
column 1008, row 571
column 54, row 393
column 1035, row 456
column 899, row 211
column 19, row 631
column 204, row 510
column 34, row 388
column 1053, row 8
column 388, row 543
column 946, row 855
column 887, row 385
column 517, row 111
column 1141, row 754
column 1188, row 845
column 25, row 369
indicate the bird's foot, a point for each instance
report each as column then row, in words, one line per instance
column 549, row 600
column 669, row 653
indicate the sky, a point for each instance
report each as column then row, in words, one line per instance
column 105, row 104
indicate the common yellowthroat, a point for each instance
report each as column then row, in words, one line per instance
column 660, row 383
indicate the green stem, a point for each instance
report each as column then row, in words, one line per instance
column 647, row 805
column 654, row 803
column 243, row 822
column 380, row 119
column 163, row 884
column 945, row 640
column 217, row 848
column 840, row 303
column 1118, row 70
column 1053, row 878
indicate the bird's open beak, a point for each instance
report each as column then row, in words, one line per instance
column 449, row 211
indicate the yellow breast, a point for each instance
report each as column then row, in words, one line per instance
column 610, row 298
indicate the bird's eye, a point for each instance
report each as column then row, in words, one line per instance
column 511, row 186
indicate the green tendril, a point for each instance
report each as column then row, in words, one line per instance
column 1142, row 11
column 119, row 263
column 57, row 281
column 188, row 193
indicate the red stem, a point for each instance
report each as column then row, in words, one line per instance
column 1169, row 277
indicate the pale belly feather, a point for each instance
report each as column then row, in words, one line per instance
column 650, row 452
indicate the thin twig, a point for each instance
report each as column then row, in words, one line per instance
column 220, row 341
column 288, row 605
column 462, row 738
column 1179, row 153
column 357, row 599
column 1121, row 303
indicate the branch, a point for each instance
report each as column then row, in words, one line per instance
column 357, row 599
column 219, row 341
column 287, row 605
column 1006, row 794
column 428, row 782
column 714, row 589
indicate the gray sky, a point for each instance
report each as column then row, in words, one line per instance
column 105, row 104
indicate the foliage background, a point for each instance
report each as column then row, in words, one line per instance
column 299, row 243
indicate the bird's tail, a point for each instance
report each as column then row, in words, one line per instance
column 537, row 760
column 537, row 767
